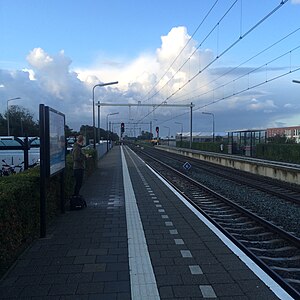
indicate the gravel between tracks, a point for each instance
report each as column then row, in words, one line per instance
column 273, row 209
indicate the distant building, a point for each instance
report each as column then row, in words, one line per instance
column 199, row 136
column 288, row 132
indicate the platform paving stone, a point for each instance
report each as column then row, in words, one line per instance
column 193, row 239
column 85, row 253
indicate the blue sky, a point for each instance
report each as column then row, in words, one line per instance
column 53, row 52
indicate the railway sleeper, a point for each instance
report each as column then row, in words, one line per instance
column 254, row 237
column 253, row 230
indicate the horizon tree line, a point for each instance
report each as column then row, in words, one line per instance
column 22, row 123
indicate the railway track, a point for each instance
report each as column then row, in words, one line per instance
column 275, row 250
column 277, row 188
column 274, row 203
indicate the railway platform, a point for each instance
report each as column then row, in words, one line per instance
column 137, row 239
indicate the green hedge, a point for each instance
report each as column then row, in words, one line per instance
column 289, row 153
column 19, row 207
column 206, row 146
column 279, row 152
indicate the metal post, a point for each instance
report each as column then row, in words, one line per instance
column 107, row 131
column 99, row 132
column 94, row 128
column 62, row 191
column 191, row 126
column 42, row 172
column 8, row 132
column 213, row 124
column 181, row 132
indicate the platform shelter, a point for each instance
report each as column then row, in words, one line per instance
column 243, row 142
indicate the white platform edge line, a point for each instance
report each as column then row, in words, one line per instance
column 273, row 285
column 142, row 277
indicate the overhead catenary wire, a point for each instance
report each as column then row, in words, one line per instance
column 175, row 59
column 191, row 55
column 235, row 68
column 218, row 56
column 296, row 69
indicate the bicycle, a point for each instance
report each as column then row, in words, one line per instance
column 10, row 169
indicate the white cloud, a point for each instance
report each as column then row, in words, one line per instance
column 295, row 1
column 265, row 106
column 52, row 73
column 146, row 70
column 30, row 72
column 50, row 79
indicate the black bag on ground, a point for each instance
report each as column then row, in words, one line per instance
column 77, row 202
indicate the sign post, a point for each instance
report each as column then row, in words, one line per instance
column 52, row 156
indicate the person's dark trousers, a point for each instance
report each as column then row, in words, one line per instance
column 78, row 174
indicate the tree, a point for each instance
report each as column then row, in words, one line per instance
column 281, row 139
column 21, row 122
column 88, row 132
column 69, row 132
column 145, row 136
column 3, row 126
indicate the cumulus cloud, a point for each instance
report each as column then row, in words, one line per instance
column 265, row 106
column 52, row 73
column 50, row 79
column 152, row 69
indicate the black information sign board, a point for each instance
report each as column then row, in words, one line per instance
column 52, row 155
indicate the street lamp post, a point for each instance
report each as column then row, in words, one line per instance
column 168, row 134
column 112, row 114
column 8, row 133
column 98, row 129
column 181, row 132
column 213, row 118
column 94, row 128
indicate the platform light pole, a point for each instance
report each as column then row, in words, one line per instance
column 112, row 114
column 16, row 98
column 168, row 134
column 94, row 128
column 98, row 128
column 181, row 132
column 213, row 118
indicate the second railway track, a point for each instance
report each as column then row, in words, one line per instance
column 271, row 247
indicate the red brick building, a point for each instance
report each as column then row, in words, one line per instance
column 289, row 132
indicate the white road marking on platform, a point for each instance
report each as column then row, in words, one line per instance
column 169, row 223
column 165, row 216
column 179, row 241
column 142, row 279
column 277, row 290
column 207, row 291
column 173, row 231
column 186, row 253
column 161, row 210
column 195, row 270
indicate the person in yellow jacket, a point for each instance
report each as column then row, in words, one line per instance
column 78, row 164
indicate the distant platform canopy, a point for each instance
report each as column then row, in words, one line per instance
column 244, row 141
column 17, row 143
